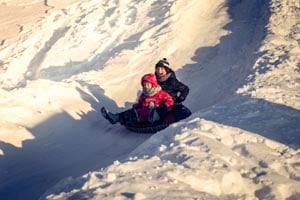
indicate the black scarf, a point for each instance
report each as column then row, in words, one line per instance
column 163, row 78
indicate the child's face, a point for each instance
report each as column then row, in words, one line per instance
column 147, row 85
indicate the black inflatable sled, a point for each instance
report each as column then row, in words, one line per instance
column 177, row 113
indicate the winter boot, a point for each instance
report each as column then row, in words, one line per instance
column 153, row 115
column 112, row 118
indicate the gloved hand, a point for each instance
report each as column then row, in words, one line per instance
column 179, row 99
column 151, row 105
column 169, row 108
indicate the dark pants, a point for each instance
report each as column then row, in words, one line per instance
column 128, row 117
column 177, row 113
column 131, row 116
column 180, row 112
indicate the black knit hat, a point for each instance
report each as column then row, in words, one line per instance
column 163, row 63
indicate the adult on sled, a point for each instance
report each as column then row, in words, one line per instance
column 168, row 81
column 144, row 111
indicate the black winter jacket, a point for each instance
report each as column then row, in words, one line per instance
column 175, row 88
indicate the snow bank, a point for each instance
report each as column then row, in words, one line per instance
column 194, row 159
column 240, row 59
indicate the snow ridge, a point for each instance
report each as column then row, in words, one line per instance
column 239, row 58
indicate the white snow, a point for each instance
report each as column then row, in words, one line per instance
column 60, row 61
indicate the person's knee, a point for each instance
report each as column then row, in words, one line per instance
column 162, row 111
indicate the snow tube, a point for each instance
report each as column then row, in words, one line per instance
column 178, row 113
column 146, row 127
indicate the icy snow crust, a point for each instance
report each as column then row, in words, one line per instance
column 241, row 60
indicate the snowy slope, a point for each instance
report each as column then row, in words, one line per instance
column 239, row 58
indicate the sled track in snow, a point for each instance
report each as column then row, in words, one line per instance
column 221, row 69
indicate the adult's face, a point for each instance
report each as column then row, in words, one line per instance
column 161, row 71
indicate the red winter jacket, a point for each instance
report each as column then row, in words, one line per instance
column 161, row 98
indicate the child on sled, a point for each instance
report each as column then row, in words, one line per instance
column 152, row 104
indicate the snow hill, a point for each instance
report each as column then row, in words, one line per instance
column 241, row 60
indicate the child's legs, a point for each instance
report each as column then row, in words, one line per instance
column 128, row 116
column 142, row 114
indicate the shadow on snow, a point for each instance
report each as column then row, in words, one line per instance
column 219, row 71
column 63, row 146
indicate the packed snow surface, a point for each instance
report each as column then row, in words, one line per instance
column 61, row 61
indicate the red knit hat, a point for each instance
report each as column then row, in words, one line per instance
column 149, row 78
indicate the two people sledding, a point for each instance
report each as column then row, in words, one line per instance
column 159, row 105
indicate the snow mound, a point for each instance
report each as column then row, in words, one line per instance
column 194, row 159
